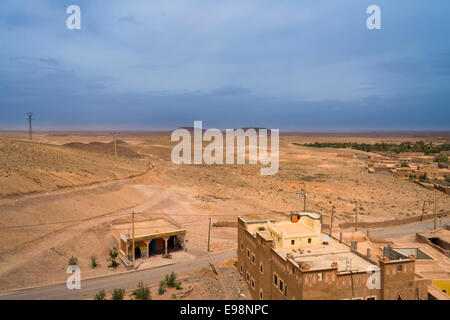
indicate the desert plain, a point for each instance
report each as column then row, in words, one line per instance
column 60, row 192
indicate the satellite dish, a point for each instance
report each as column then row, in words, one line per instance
column 325, row 238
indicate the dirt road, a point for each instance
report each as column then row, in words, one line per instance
column 426, row 226
column 127, row 281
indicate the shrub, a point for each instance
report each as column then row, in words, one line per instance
column 161, row 289
column 73, row 261
column 441, row 158
column 112, row 258
column 171, row 279
column 94, row 263
column 100, row 295
column 118, row 294
column 142, row 292
column 178, row 286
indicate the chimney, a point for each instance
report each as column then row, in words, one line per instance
column 354, row 245
column 368, row 253
column 294, row 217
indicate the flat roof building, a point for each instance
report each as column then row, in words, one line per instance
column 295, row 260
column 151, row 237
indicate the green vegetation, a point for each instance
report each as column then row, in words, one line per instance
column 112, row 258
column 170, row 280
column 142, row 292
column 441, row 158
column 73, row 261
column 403, row 165
column 161, row 288
column 94, row 263
column 101, row 295
column 418, row 146
column 118, row 294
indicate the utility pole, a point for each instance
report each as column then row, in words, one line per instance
column 435, row 211
column 423, row 210
column 331, row 222
column 209, row 233
column 356, row 216
column 132, row 232
column 303, row 192
column 115, row 146
column 30, row 117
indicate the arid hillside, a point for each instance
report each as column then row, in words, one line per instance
column 27, row 167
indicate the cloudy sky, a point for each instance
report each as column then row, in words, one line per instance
column 157, row 64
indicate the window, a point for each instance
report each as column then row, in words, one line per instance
column 241, row 269
column 281, row 286
column 275, row 279
column 248, row 253
column 292, row 242
column 400, row 267
column 285, row 290
column 261, row 268
column 253, row 283
column 253, row 258
column 248, row 277
column 320, row 276
column 371, row 298
column 260, row 294
column 309, row 240
column 242, row 246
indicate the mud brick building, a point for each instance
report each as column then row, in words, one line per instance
column 293, row 259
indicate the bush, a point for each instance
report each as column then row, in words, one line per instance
column 118, row 294
column 142, row 292
column 112, row 258
column 94, row 263
column 73, row 261
column 441, row 158
column 161, row 289
column 178, row 286
column 171, row 280
column 100, row 295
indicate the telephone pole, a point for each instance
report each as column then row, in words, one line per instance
column 115, row 146
column 30, row 117
column 209, row 233
column 435, row 211
column 132, row 232
column 423, row 210
column 331, row 222
column 303, row 192
column 356, row 216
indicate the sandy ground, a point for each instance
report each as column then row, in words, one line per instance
column 44, row 224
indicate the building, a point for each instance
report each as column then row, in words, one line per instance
column 151, row 237
column 295, row 260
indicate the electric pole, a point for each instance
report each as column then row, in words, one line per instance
column 423, row 210
column 30, row 117
column 303, row 193
column 209, row 233
column 356, row 216
column 132, row 232
column 331, row 222
column 435, row 211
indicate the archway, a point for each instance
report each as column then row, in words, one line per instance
column 137, row 253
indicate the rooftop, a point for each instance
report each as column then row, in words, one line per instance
column 148, row 227
column 323, row 256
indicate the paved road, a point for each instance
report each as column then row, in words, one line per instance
column 425, row 226
column 127, row 280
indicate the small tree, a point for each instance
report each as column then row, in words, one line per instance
column 118, row 294
column 73, row 261
column 100, row 295
column 94, row 263
column 142, row 292
column 112, row 258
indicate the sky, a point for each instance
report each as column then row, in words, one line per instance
column 300, row 65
